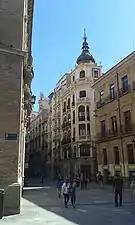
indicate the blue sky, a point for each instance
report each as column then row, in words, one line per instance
column 58, row 31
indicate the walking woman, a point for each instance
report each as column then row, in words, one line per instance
column 65, row 191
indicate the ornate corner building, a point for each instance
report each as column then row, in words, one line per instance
column 16, row 99
column 71, row 121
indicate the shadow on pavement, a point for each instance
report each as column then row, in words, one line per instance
column 45, row 197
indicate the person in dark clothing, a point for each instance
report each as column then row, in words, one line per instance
column 72, row 191
column 118, row 188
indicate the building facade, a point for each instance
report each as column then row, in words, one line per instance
column 36, row 141
column 16, row 74
column 71, row 121
column 115, row 118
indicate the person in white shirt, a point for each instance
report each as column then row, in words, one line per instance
column 65, row 191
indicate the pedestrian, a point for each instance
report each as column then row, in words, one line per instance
column 118, row 188
column 72, row 192
column 59, row 185
column 132, row 186
column 65, row 191
column 100, row 179
column 82, row 180
column 85, row 181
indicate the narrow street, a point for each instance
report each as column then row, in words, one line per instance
column 40, row 205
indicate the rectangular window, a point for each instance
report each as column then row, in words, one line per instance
column 73, row 100
column 125, row 86
column 82, row 94
column 96, row 74
column 116, row 155
column 127, row 121
column 84, row 150
column 64, row 107
column 68, row 105
column 112, row 91
column 73, row 134
column 73, row 78
column 114, row 124
column 88, row 129
column 130, row 154
column 103, row 129
column 102, row 97
column 82, row 130
column 74, row 117
column 105, row 156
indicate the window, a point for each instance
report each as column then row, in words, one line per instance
column 112, row 91
column 82, row 130
column 73, row 78
column 73, row 100
column 68, row 105
column 64, row 107
column 102, row 97
column 84, row 150
column 116, row 155
column 114, row 124
column 82, row 74
column 73, row 134
column 74, row 153
column 74, row 117
column 130, row 154
column 88, row 129
column 81, row 113
column 127, row 121
column 125, row 84
column 103, row 129
column 95, row 74
column 82, row 94
column 104, row 156
column 88, row 113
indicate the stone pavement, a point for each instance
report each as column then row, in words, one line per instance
column 40, row 205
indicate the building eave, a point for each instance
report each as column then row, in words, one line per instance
column 116, row 66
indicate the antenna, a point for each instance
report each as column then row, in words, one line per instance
column 133, row 44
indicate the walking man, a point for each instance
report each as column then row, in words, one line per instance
column 118, row 188
column 65, row 191
column 72, row 191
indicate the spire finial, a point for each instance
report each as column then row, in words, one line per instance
column 85, row 37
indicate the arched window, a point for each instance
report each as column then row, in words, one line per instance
column 88, row 113
column 82, row 74
column 81, row 113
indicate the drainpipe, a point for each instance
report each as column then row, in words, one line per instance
column 120, row 122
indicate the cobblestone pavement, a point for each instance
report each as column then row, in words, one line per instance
column 40, row 205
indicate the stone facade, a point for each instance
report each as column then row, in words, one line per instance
column 115, row 120
column 71, row 121
column 15, row 100
column 36, row 146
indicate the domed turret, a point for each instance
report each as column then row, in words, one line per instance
column 85, row 55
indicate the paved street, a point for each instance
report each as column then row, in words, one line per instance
column 40, row 205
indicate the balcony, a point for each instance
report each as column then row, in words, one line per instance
column 82, row 137
column 66, row 124
column 124, row 130
column 81, row 80
column 83, row 99
column 66, row 140
column 28, row 74
column 125, row 90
